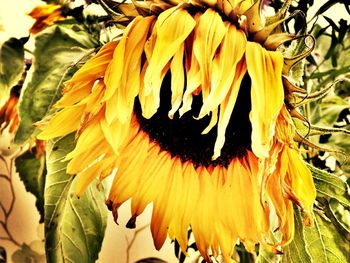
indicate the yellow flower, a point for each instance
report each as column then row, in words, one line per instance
column 45, row 15
column 189, row 107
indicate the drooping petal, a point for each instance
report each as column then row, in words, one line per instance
column 172, row 27
column 302, row 189
column 177, row 81
column 208, row 36
column 226, row 108
column 267, row 95
column 224, row 68
column 123, row 79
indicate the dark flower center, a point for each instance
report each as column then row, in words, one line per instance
column 182, row 136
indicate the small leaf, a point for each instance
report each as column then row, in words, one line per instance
column 11, row 66
column 74, row 228
column 325, row 7
column 26, row 254
column 296, row 251
column 32, row 172
column 57, row 50
column 330, row 186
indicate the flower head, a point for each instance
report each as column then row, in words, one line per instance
column 45, row 15
column 9, row 113
column 191, row 106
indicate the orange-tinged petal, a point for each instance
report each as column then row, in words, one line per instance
column 130, row 170
column 144, row 195
column 166, row 203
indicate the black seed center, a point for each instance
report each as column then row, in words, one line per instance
column 182, row 136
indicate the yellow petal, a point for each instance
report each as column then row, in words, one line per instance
column 130, row 170
column 177, row 80
column 74, row 93
column 226, row 108
column 267, row 95
column 301, row 180
column 87, row 140
column 127, row 82
column 95, row 67
column 114, row 72
column 224, row 68
column 172, row 27
column 208, row 35
column 193, row 76
column 63, row 123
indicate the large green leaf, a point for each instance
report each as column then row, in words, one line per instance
column 11, row 66
column 74, row 228
column 32, row 172
column 324, row 241
column 321, row 243
column 330, row 186
column 297, row 251
column 57, row 50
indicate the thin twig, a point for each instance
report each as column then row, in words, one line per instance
column 131, row 242
column 9, row 235
column 3, row 209
column 4, row 176
column 7, row 212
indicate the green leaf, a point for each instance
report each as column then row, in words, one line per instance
column 331, row 107
column 330, row 186
column 11, row 66
column 32, row 172
column 57, row 51
column 26, row 254
column 296, row 251
column 321, row 243
column 74, row 228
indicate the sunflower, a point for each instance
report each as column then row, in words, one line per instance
column 193, row 108
column 45, row 15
